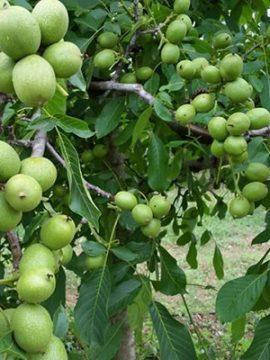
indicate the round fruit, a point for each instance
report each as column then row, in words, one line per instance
column 238, row 90
column 55, row 350
column 239, row 207
column 23, row 193
column 57, row 232
column 211, row 74
column 100, row 151
column 249, row 104
column 65, row 58
column 37, row 256
column 107, row 40
column 170, row 54
column 185, row 114
column 52, row 17
column 217, row 148
column 255, row 191
column 105, row 59
column 259, row 118
column 186, row 20
column 152, row 229
column 199, row 63
column 10, row 162
column 129, row 78
column 186, row 69
column 9, row 313
column 87, row 157
column 176, row 31
column 238, row 123
column 142, row 214
column 231, row 67
column 160, row 206
column 125, row 200
column 41, row 169
column 239, row 159
column 19, row 32
column 95, row 262
column 6, row 69
column 36, row 285
column 10, row 218
column 144, row 73
column 4, row 324
column 32, row 327
column 257, row 172
column 34, row 80
column 235, row 145
column 217, row 128
column 66, row 254
column 204, row 102
column 181, row 6
column 222, row 40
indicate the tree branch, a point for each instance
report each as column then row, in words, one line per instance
column 14, row 248
column 39, row 144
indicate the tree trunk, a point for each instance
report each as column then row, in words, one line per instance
column 127, row 349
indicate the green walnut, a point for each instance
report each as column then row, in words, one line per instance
column 125, row 200
column 37, row 256
column 160, row 206
column 108, row 40
column 10, row 162
column 54, row 351
column 10, row 217
column 259, row 118
column 6, row 68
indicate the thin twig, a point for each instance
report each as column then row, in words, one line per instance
column 39, row 144
column 14, row 248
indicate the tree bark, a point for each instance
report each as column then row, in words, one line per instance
column 127, row 349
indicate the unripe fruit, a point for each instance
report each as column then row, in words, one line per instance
column 95, row 262
column 249, row 104
column 65, row 58
column 239, row 207
column 185, row 114
column 170, row 54
column 181, row 6
column 259, row 118
column 52, row 17
column 222, row 40
column 231, row 67
column 255, row 191
column 66, row 254
column 186, row 69
column 239, row 159
column 125, row 200
column 10, row 162
column 6, row 68
column 87, row 157
column 238, row 90
column 57, row 232
column 217, row 148
column 100, row 151
column 160, row 206
column 176, row 31
column 199, row 63
column 235, row 145
column 105, row 59
column 9, row 218
column 23, row 193
column 211, row 74
column 41, row 169
column 152, row 229
column 144, row 73
column 36, row 285
column 129, row 78
column 217, row 128
column 257, row 172
column 37, row 256
column 4, row 324
column 238, row 123
column 107, row 40
column 142, row 214
column 19, row 32
column 34, row 81
column 32, row 327
column 186, row 20
column 204, row 102
column 55, row 350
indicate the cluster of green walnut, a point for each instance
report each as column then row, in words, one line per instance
column 33, row 53
column 146, row 215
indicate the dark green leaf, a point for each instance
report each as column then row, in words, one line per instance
column 92, row 248
column 75, row 126
column 60, row 322
column 123, row 294
column 238, row 329
column 140, row 126
column 206, row 237
column 162, row 111
column 218, row 263
column 192, row 256
column 263, row 237
column 123, row 253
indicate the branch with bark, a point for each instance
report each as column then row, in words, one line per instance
column 15, row 248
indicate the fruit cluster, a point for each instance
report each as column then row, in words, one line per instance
column 34, row 53
column 147, row 216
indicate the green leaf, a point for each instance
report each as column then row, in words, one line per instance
column 265, row 94
column 58, row 104
column 238, row 329
column 186, row 238
column 176, row 83
column 78, row 81
column 173, row 278
column 238, row 296
column 192, row 256
column 81, row 201
column 263, row 237
column 260, row 346
column 218, row 263
column 206, row 237
column 162, row 111
column 174, row 339
column 90, row 313
column 60, row 322
column 92, row 248
column 255, row 82
column 140, row 126
column 158, row 164
column 8, row 346
column 109, row 117
column 123, row 253
column 257, row 151
column 75, row 126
